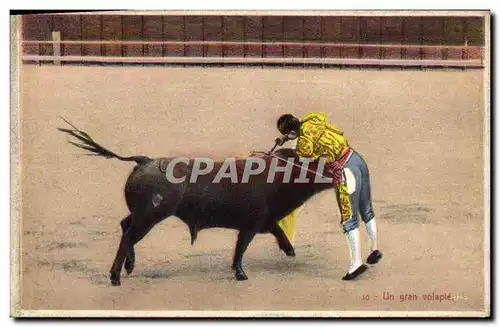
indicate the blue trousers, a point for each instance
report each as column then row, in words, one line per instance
column 357, row 178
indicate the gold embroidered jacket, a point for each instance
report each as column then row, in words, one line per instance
column 319, row 138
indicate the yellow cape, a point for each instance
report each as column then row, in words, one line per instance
column 288, row 224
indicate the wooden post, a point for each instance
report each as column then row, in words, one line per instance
column 56, row 46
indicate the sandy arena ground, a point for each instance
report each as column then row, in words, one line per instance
column 421, row 133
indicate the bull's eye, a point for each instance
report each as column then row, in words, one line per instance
column 157, row 198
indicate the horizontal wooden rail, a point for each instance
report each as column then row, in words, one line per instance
column 254, row 52
column 281, row 13
column 476, row 63
column 241, row 43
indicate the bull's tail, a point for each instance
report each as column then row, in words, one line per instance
column 87, row 143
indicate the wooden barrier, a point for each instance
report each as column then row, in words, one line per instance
column 210, row 52
column 322, row 38
column 253, row 60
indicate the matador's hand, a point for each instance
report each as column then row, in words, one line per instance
column 281, row 140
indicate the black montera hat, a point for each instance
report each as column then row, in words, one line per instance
column 287, row 123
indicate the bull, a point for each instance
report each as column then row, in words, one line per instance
column 250, row 208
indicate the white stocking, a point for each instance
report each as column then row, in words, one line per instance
column 371, row 228
column 354, row 249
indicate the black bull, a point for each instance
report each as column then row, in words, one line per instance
column 251, row 208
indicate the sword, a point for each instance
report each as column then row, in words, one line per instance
column 285, row 160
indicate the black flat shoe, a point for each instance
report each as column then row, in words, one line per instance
column 374, row 257
column 356, row 273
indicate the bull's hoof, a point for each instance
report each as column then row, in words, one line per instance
column 290, row 253
column 115, row 282
column 240, row 275
column 115, row 279
column 129, row 267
